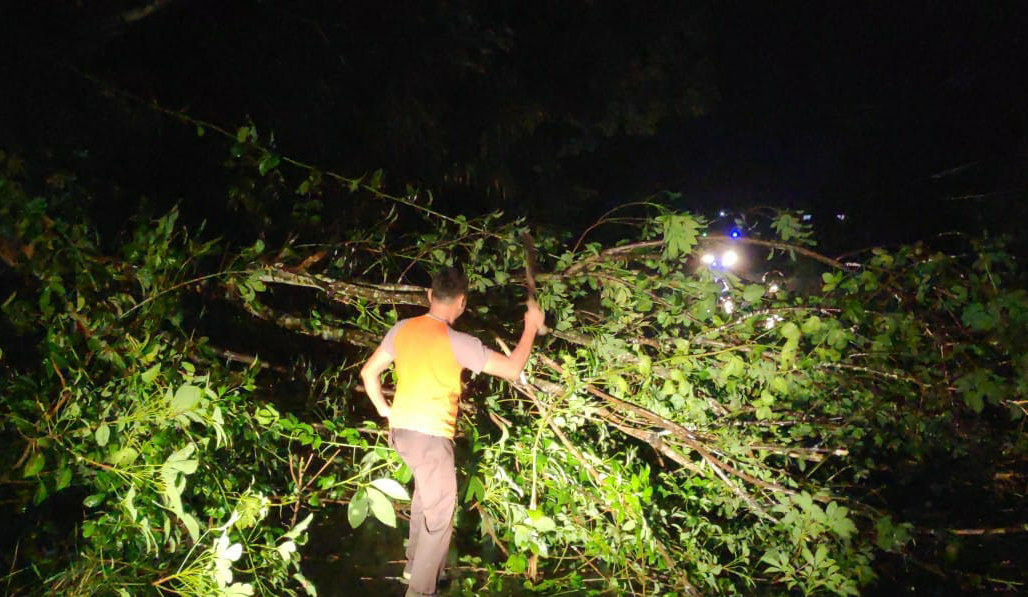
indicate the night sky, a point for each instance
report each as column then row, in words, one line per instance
column 909, row 118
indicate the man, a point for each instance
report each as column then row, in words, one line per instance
column 429, row 357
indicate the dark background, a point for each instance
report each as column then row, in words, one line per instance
column 909, row 118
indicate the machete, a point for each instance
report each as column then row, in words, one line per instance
column 530, row 274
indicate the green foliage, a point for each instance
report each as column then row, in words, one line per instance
column 729, row 440
column 173, row 473
column 683, row 428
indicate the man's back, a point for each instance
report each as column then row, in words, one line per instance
column 428, row 365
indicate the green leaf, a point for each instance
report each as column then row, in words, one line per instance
column 752, row 293
column 645, row 365
column 837, row 339
column 788, row 354
column 620, row 384
column 544, row 524
column 733, row 368
column 976, row 317
column 103, row 434
column 63, row 478
column 811, row 325
column 516, row 563
column 391, row 488
column 475, row 490
column 376, row 179
column 124, row 456
column 286, row 550
column 357, row 510
column 181, row 462
column 680, row 231
column 790, row 331
column 34, row 465
column 41, row 493
column 976, row 386
column 382, row 508
column 268, row 163
column 128, row 503
column 238, row 589
column 94, row 500
column 191, row 524
column 186, row 398
column 299, row 528
column 975, row 401
column 307, row 585
column 151, row 374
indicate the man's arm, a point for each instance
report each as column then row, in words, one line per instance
column 371, row 373
column 510, row 367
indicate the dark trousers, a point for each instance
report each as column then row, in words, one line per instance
column 435, row 498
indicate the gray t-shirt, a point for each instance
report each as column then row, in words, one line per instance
column 468, row 350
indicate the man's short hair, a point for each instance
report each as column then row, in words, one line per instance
column 448, row 284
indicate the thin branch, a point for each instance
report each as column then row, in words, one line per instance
column 298, row 324
column 771, row 244
column 1022, row 528
column 689, row 439
column 140, row 13
column 623, row 251
column 344, row 292
column 870, row 371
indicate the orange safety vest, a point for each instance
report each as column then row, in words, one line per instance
column 427, row 378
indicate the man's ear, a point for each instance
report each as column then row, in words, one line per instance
column 463, row 301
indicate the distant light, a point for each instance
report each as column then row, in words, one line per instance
column 840, row 217
column 734, row 233
column 807, row 217
column 728, row 306
column 707, row 258
column 722, row 213
column 729, row 258
column 772, row 288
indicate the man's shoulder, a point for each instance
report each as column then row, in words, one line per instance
column 468, row 350
column 388, row 343
column 402, row 322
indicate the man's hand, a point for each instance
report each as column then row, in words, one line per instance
column 370, row 374
column 510, row 367
column 534, row 317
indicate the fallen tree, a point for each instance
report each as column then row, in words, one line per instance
column 682, row 429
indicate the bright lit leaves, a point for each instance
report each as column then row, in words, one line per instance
column 680, row 233
column 377, row 499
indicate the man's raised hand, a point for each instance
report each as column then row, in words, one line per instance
column 534, row 317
